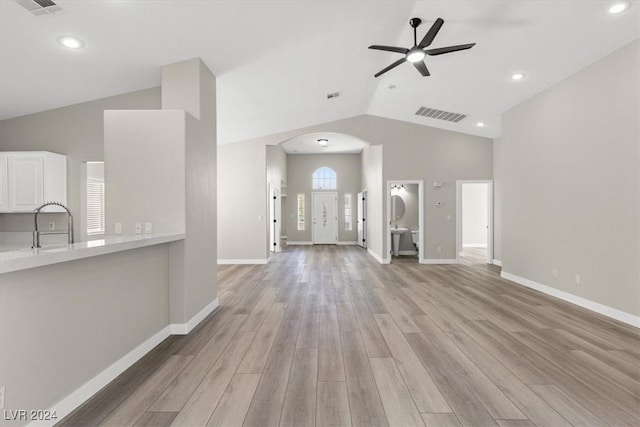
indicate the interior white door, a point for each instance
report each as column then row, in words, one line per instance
column 325, row 218
column 362, row 215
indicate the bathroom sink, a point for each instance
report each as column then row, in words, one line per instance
column 399, row 230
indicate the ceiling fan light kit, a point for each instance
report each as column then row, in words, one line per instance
column 417, row 53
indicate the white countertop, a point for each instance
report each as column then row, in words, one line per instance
column 24, row 259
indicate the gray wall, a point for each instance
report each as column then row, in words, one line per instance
column 76, row 131
column 300, row 167
column 571, row 184
column 372, row 182
column 63, row 324
column 409, row 152
column 497, row 199
column 242, row 201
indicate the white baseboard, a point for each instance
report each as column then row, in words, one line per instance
column 408, row 253
column 474, row 245
column 95, row 384
column 605, row 310
column 377, row 257
column 347, row 243
column 242, row 261
column 497, row 262
column 299, row 243
column 438, row 261
column 185, row 328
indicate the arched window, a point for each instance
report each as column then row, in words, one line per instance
column 324, row 178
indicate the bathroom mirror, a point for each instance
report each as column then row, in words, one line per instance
column 397, row 207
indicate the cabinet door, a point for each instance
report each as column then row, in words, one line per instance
column 26, row 181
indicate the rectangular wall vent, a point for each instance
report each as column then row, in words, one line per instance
column 333, row 95
column 440, row 115
column 40, row 7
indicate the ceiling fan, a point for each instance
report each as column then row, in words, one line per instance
column 417, row 53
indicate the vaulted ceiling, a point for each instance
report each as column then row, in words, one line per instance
column 276, row 61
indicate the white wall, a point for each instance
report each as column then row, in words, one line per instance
column 571, row 184
column 76, row 131
column 474, row 214
column 63, row 324
column 144, row 154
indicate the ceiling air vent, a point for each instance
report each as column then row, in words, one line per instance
column 333, row 95
column 440, row 115
column 39, row 7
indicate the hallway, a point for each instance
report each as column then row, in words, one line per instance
column 324, row 335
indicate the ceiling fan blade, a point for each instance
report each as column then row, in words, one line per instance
column 394, row 65
column 422, row 67
column 448, row 49
column 401, row 50
column 431, row 34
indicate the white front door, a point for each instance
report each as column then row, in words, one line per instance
column 325, row 218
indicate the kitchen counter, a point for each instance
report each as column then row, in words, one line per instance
column 23, row 259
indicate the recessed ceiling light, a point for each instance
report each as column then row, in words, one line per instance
column 70, row 42
column 323, row 142
column 480, row 124
column 517, row 76
column 619, row 7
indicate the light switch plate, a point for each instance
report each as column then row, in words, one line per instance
column 118, row 228
column 138, row 228
column 147, row 228
column 52, row 225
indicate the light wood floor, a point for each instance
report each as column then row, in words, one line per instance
column 326, row 336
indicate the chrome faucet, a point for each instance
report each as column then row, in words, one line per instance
column 37, row 233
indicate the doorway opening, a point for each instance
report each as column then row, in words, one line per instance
column 324, row 210
column 475, row 222
column 405, row 225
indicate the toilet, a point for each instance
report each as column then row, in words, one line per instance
column 415, row 238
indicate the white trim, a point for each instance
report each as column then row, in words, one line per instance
column 243, row 261
column 490, row 230
column 439, row 261
column 408, row 253
column 377, row 257
column 605, row 310
column 185, row 328
column 347, row 243
column 497, row 262
column 95, row 384
column 474, row 245
column 299, row 243
column 421, row 202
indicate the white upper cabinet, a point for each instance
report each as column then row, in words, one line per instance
column 31, row 178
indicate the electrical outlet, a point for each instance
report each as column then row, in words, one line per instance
column 2, row 393
column 439, row 249
column 449, row 217
column 554, row 273
column 118, row 228
column 52, row 225
column 138, row 228
column 577, row 279
column 147, row 228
